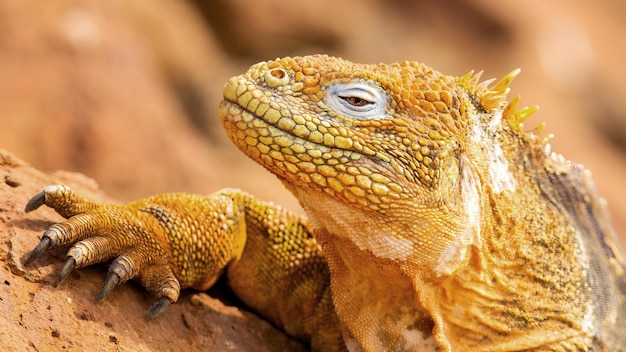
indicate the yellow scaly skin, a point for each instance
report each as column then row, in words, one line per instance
column 435, row 223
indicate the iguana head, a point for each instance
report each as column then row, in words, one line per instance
column 371, row 135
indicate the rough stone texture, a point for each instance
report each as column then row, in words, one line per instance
column 36, row 316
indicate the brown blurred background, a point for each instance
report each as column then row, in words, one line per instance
column 126, row 91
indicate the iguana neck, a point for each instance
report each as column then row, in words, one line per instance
column 504, row 252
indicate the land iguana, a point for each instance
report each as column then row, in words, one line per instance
column 435, row 221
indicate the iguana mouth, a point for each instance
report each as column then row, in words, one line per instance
column 261, row 108
column 260, row 139
column 283, row 141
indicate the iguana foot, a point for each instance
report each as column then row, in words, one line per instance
column 98, row 232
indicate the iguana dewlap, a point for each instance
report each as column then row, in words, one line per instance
column 434, row 221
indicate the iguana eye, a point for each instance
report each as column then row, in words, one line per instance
column 357, row 100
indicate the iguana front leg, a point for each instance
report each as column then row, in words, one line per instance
column 174, row 241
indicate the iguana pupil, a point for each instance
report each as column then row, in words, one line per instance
column 356, row 101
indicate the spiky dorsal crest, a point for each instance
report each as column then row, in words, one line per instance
column 493, row 97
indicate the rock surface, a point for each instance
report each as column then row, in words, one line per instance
column 38, row 317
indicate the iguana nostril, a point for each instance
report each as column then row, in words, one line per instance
column 276, row 77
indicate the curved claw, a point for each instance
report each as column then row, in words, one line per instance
column 42, row 246
column 61, row 198
column 158, row 307
column 109, row 284
column 67, row 268
column 36, row 201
